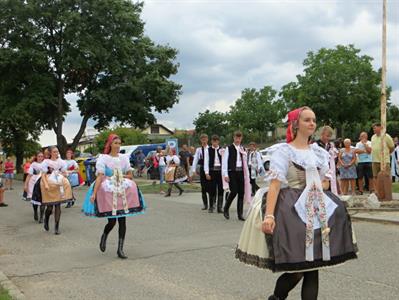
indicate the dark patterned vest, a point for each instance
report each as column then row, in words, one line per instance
column 212, row 154
column 232, row 161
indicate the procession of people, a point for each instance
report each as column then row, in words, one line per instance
column 296, row 223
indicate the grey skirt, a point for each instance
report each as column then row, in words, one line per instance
column 285, row 249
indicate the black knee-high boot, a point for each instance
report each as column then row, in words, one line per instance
column 47, row 214
column 41, row 214
column 35, row 216
column 107, row 229
column 57, row 217
column 121, row 240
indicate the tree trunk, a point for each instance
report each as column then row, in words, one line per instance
column 61, row 140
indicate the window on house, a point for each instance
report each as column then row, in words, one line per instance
column 154, row 129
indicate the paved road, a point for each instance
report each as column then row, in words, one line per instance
column 176, row 251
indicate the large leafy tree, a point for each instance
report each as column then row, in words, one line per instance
column 98, row 50
column 26, row 99
column 212, row 123
column 257, row 111
column 339, row 84
column 129, row 136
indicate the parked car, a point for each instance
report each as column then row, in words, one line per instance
column 266, row 158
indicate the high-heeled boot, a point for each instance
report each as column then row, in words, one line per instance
column 120, row 249
column 103, row 242
column 46, row 220
column 35, row 216
column 41, row 216
column 57, row 228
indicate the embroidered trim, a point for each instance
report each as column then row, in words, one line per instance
column 267, row 263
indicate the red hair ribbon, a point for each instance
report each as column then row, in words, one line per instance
column 292, row 117
column 110, row 139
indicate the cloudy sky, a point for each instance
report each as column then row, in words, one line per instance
column 228, row 45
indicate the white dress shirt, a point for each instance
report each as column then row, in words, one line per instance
column 197, row 157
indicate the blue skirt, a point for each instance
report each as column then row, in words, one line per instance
column 90, row 209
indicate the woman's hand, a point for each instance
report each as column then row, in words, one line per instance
column 46, row 186
column 92, row 198
column 268, row 225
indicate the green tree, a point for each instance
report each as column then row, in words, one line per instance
column 96, row 49
column 212, row 123
column 129, row 136
column 257, row 111
column 339, row 84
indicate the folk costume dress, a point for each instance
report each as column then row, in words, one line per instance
column 73, row 175
column 116, row 196
column 174, row 173
column 35, row 170
column 313, row 229
column 59, row 191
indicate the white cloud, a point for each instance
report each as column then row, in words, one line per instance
column 228, row 45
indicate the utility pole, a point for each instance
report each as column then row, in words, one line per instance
column 384, row 183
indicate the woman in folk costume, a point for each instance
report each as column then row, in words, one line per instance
column 294, row 226
column 54, row 187
column 34, row 173
column 174, row 173
column 73, row 174
column 113, row 195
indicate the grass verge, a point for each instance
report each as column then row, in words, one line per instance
column 155, row 188
column 4, row 294
column 395, row 187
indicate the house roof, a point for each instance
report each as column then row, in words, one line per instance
column 160, row 125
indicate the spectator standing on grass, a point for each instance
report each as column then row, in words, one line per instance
column 9, row 168
column 185, row 158
column 395, row 161
column 364, row 170
column 389, row 146
column 160, row 158
column 140, row 162
column 347, row 170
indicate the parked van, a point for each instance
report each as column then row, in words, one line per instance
column 132, row 150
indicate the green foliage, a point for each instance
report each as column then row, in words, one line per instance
column 339, row 84
column 96, row 49
column 212, row 123
column 257, row 111
column 129, row 136
column 92, row 150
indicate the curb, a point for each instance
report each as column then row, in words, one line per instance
column 12, row 290
column 374, row 220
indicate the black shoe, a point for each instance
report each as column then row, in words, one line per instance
column 73, row 203
column 210, row 210
column 272, row 297
column 167, row 195
column 181, row 192
column 241, row 218
column 3, row 205
column 103, row 242
column 120, row 249
column 57, row 228
column 35, row 216
column 69, row 205
column 226, row 215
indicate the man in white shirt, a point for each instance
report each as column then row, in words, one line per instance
column 255, row 166
column 199, row 161
column 364, row 160
column 213, row 173
column 233, row 173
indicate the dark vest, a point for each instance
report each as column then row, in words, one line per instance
column 201, row 159
column 232, row 161
column 212, row 152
